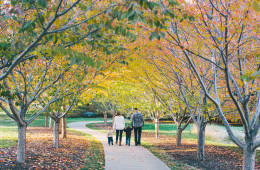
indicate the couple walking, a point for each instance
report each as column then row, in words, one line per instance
column 137, row 123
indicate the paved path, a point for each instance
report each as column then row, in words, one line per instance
column 122, row 157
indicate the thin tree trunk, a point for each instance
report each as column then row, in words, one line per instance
column 105, row 118
column 179, row 132
column 201, row 142
column 46, row 119
column 56, row 133
column 64, row 129
column 156, row 128
column 249, row 157
column 21, row 144
column 60, row 129
column 50, row 123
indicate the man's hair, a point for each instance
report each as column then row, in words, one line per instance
column 136, row 108
column 118, row 113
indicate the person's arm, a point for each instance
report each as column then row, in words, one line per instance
column 132, row 121
column 114, row 125
column 142, row 120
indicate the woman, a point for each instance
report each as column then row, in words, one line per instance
column 119, row 125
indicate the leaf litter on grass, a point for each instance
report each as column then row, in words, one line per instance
column 41, row 155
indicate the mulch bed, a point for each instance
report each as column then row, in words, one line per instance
column 41, row 155
column 217, row 157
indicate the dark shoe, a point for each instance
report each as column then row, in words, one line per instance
column 119, row 143
column 116, row 142
column 112, row 143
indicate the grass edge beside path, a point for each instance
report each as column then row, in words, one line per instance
column 95, row 155
column 165, row 158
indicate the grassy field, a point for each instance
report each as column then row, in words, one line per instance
column 8, row 127
column 8, row 131
column 215, row 134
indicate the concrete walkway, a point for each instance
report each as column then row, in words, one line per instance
column 122, row 157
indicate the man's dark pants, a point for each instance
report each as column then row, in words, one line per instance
column 137, row 131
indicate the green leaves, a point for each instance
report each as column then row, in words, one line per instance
column 251, row 76
column 26, row 26
column 154, row 35
column 173, row 3
column 43, row 3
column 255, row 6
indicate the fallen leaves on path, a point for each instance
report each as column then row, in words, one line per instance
column 41, row 155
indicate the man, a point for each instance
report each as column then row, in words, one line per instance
column 137, row 123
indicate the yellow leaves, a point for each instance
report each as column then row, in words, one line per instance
column 222, row 28
column 57, row 22
column 255, row 6
column 175, row 59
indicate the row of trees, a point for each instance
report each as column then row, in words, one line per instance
column 202, row 62
column 50, row 52
column 206, row 66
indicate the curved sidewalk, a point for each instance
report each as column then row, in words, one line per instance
column 122, row 157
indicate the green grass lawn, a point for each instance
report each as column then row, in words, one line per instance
column 189, row 133
column 8, row 127
column 8, row 130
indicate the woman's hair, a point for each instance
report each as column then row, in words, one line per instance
column 118, row 113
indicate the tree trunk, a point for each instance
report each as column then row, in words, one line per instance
column 64, row 129
column 60, row 129
column 201, row 142
column 105, row 118
column 21, row 144
column 156, row 128
column 56, row 133
column 50, row 123
column 248, row 157
column 179, row 131
column 46, row 120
